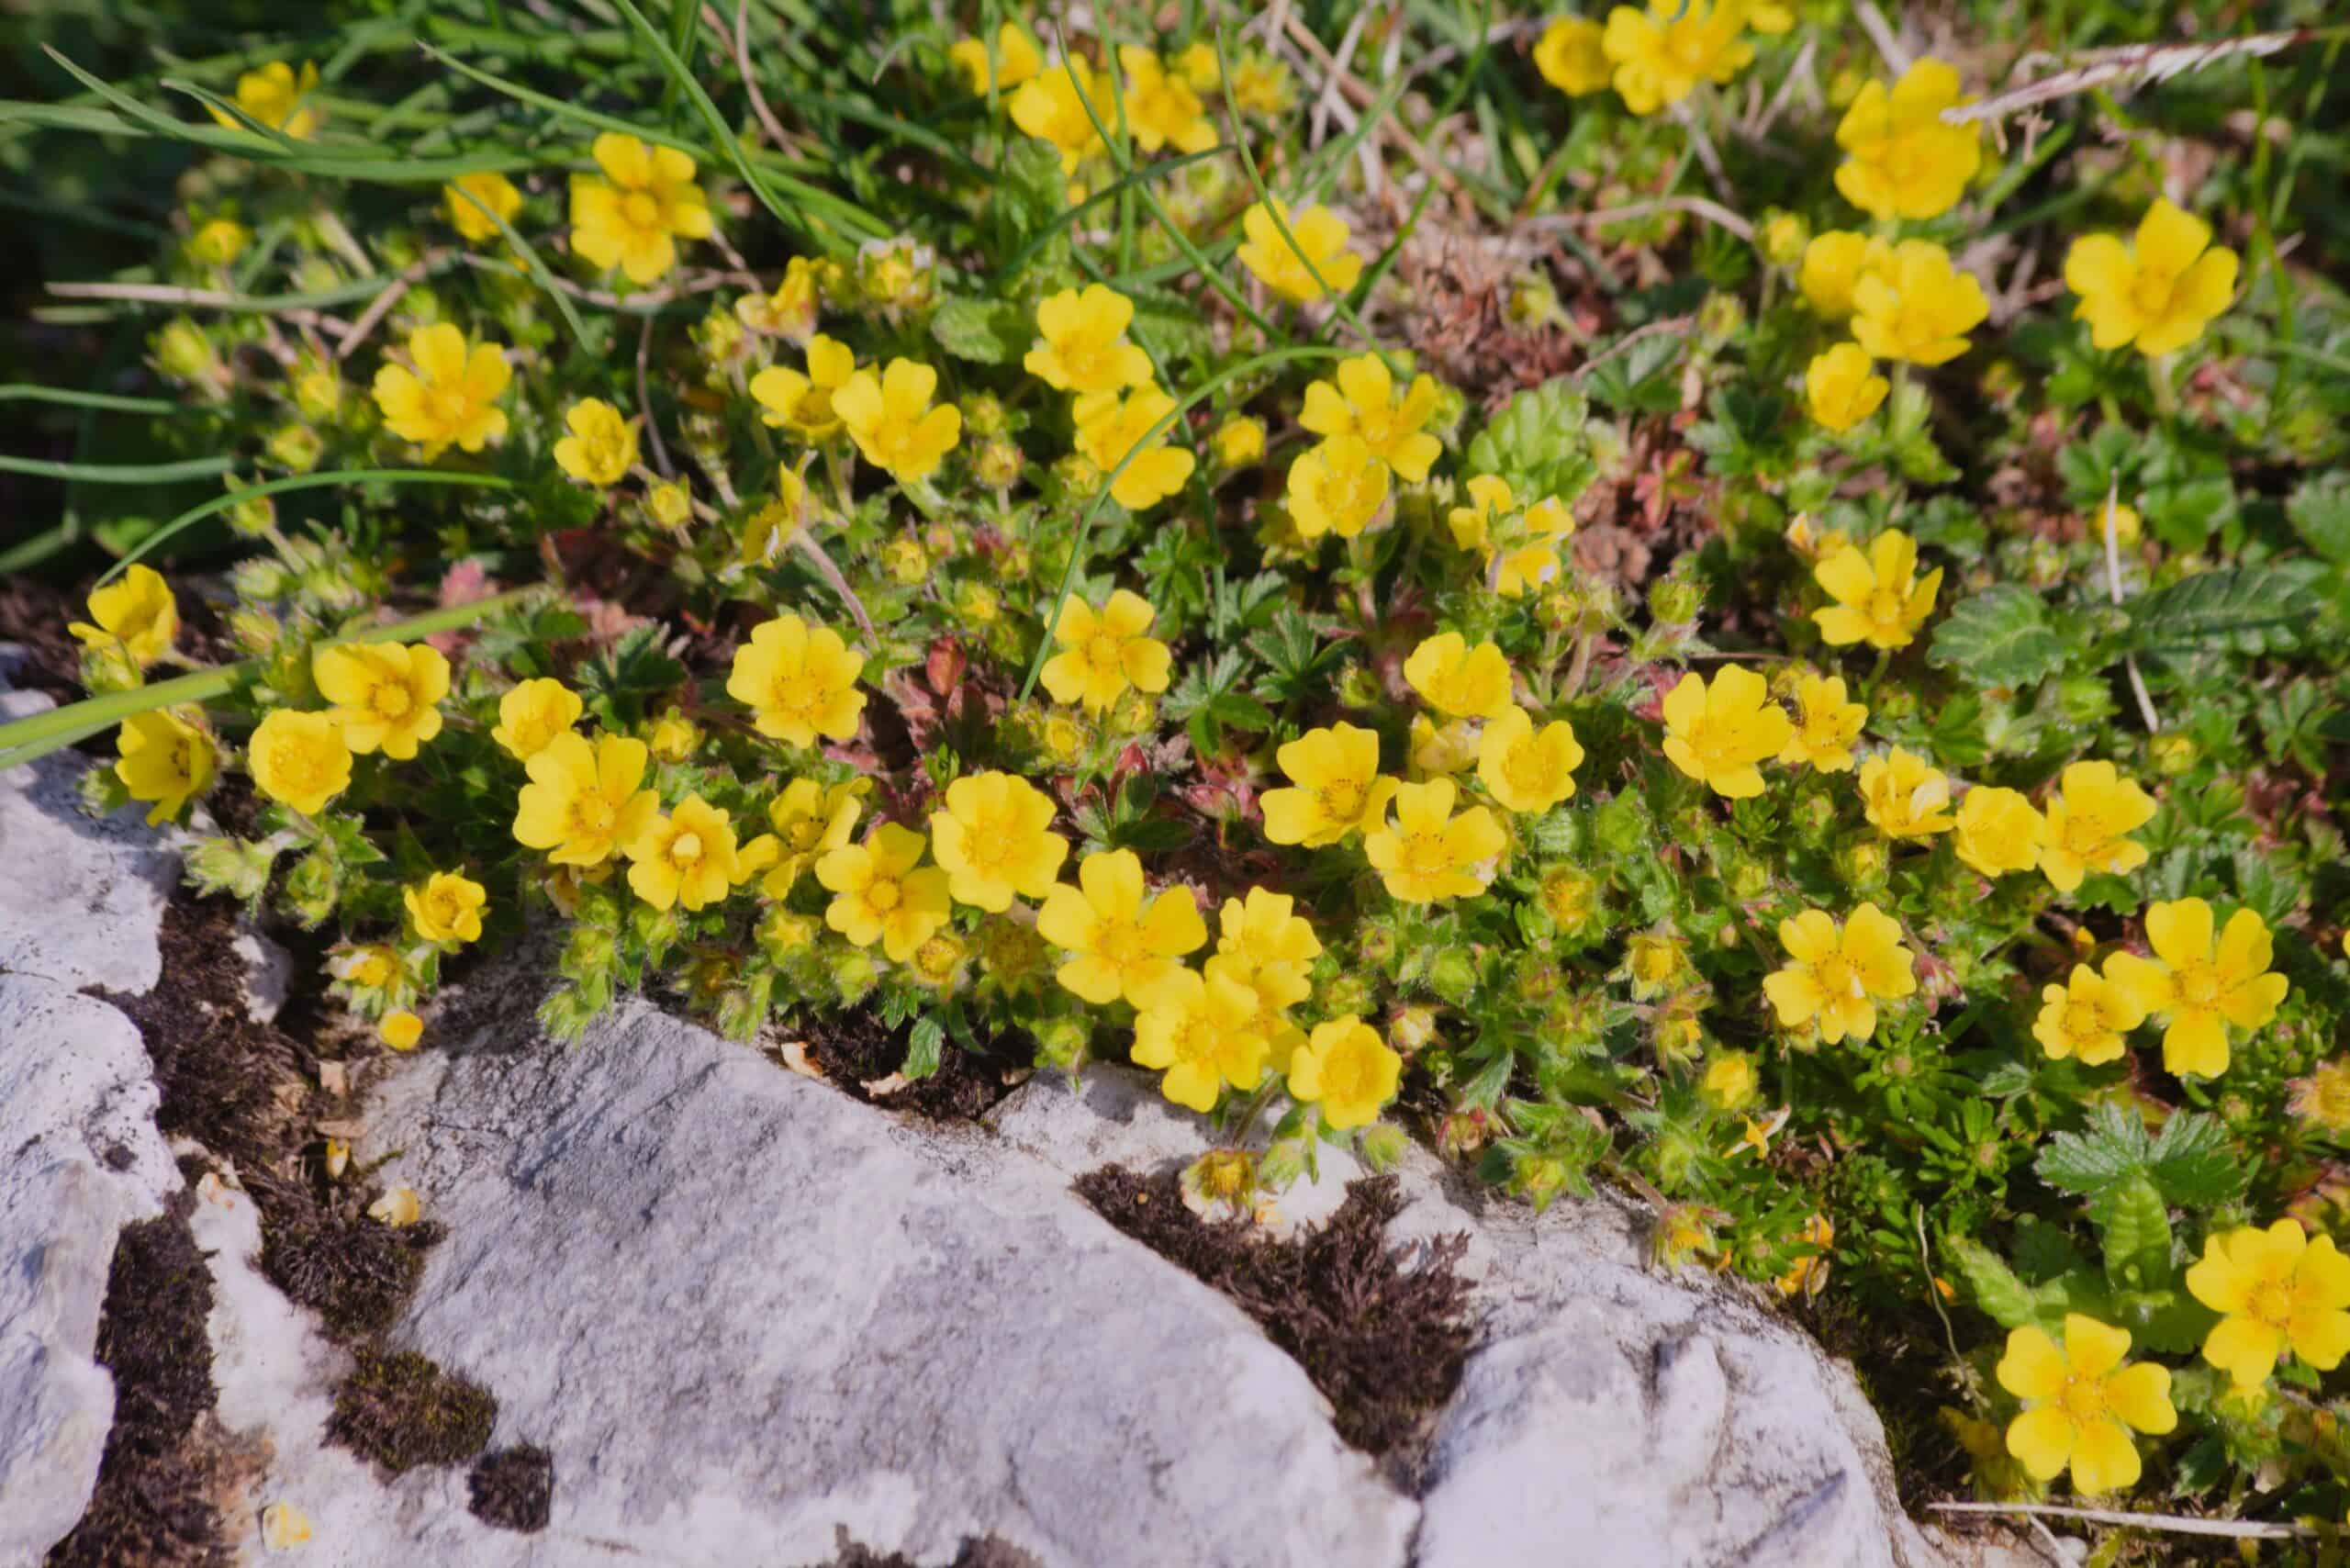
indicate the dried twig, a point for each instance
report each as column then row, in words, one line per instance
column 1712, row 211
column 2113, row 585
column 381, row 305
column 1881, row 33
column 2172, row 1523
column 738, row 44
column 2138, row 64
column 644, row 402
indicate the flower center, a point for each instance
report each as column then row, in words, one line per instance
column 301, row 767
column 2151, row 292
column 798, row 691
column 686, row 849
column 390, row 700
column 885, row 894
column 449, row 405
column 1119, row 943
column 1885, row 607
column 1342, row 799
column 1424, row 854
column 591, row 814
column 1524, row 768
column 641, row 210
column 804, row 834
column 2199, row 983
column 1835, row 975
column 2083, row 1400
column 2082, row 1020
column 1102, row 650
column 2270, row 1302
column 2084, row 832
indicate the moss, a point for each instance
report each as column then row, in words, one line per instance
column 513, row 1488
column 401, row 1410
column 155, row 1501
column 1380, row 1330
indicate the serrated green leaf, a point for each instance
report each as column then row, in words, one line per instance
column 2194, row 1163
column 1538, row 443
column 986, row 331
column 2112, row 1150
column 2320, row 511
column 2135, row 1225
column 926, row 1047
column 2002, row 636
column 2249, row 609
column 1993, row 1286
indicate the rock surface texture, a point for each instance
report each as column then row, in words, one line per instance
column 755, row 1321
column 81, row 904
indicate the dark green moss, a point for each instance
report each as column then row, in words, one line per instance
column 401, row 1410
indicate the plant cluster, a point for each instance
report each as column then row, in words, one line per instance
column 1857, row 759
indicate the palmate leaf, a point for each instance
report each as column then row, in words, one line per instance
column 1538, row 443
column 2250, row 609
column 2003, row 636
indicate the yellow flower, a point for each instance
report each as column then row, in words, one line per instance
column 1834, row 977
column 880, row 897
column 447, row 908
column 1105, row 651
column 533, row 714
column 1335, row 788
column 2197, row 988
column 1880, row 598
column 299, row 759
column 1455, row 678
column 386, row 695
column 1082, row 344
column 601, row 447
column 1834, row 263
column 2090, row 818
column 1571, row 58
column 810, row 822
column 494, row 191
column 800, row 681
column 399, row 1209
column 634, row 216
column 2081, row 1404
column 582, row 802
column 219, row 242
column 803, row 404
column 1998, row 832
column 1905, row 796
column 1238, row 441
column 2085, row 1018
column 1111, row 428
column 670, row 504
column 1427, row 853
column 1347, row 1069
column 1717, row 734
column 1900, row 160
column 995, row 840
column 274, row 96
column 686, row 858
column 2274, row 1289
column 1528, row 769
column 1017, row 58
column 1267, row 944
column 1336, row 487
column 1161, row 109
column 1123, row 944
column 892, row 421
column 1533, row 560
column 1730, row 1081
column 165, row 760
column 1260, row 86
column 1823, row 736
column 1310, row 263
column 447, row 400
column 1842, row 387
column 1660, row 60
column 400, row 1029
column 790, row 311
column 1809, row 1273
column 1438, row 751
column 1915, row 308
column 1365, row 405
column 1202, row 1030
column 2159, row 293
column 1052, row 107
column 135, row 614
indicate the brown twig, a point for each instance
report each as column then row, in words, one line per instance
column 644, row 402
column 739, row 45
column 381, row 306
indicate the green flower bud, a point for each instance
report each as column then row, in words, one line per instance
column 311, row 888
column 1382, row 1145
column 996, row 465
column 296, row 447
column 1063, row 1043
column 1453, row 975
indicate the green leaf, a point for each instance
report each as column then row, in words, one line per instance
column 1536, row 443
column 987, row 331
column 2090, row 1163
column 2002, row 636
column 926, row 1046
column 2136, row 1226
column 2320, row 510
column 2250, row 609
column 2195, row 1163
column 2166, row 1322
column 2001, row 1296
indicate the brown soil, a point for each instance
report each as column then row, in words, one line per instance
column 33, row 614
column 513, row 1488
column 854, row 1048
column 159, row 1482
column 1381, row 1331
